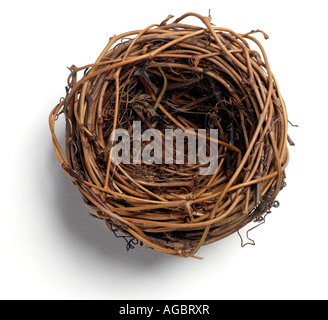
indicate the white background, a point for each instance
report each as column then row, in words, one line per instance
column 51, row 249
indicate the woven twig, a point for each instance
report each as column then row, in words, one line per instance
column 177, row 76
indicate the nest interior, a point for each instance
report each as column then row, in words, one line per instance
column 176, row 76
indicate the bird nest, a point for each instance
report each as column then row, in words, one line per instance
column 225, row 163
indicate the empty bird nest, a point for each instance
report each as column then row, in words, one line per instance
column 209, row 87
